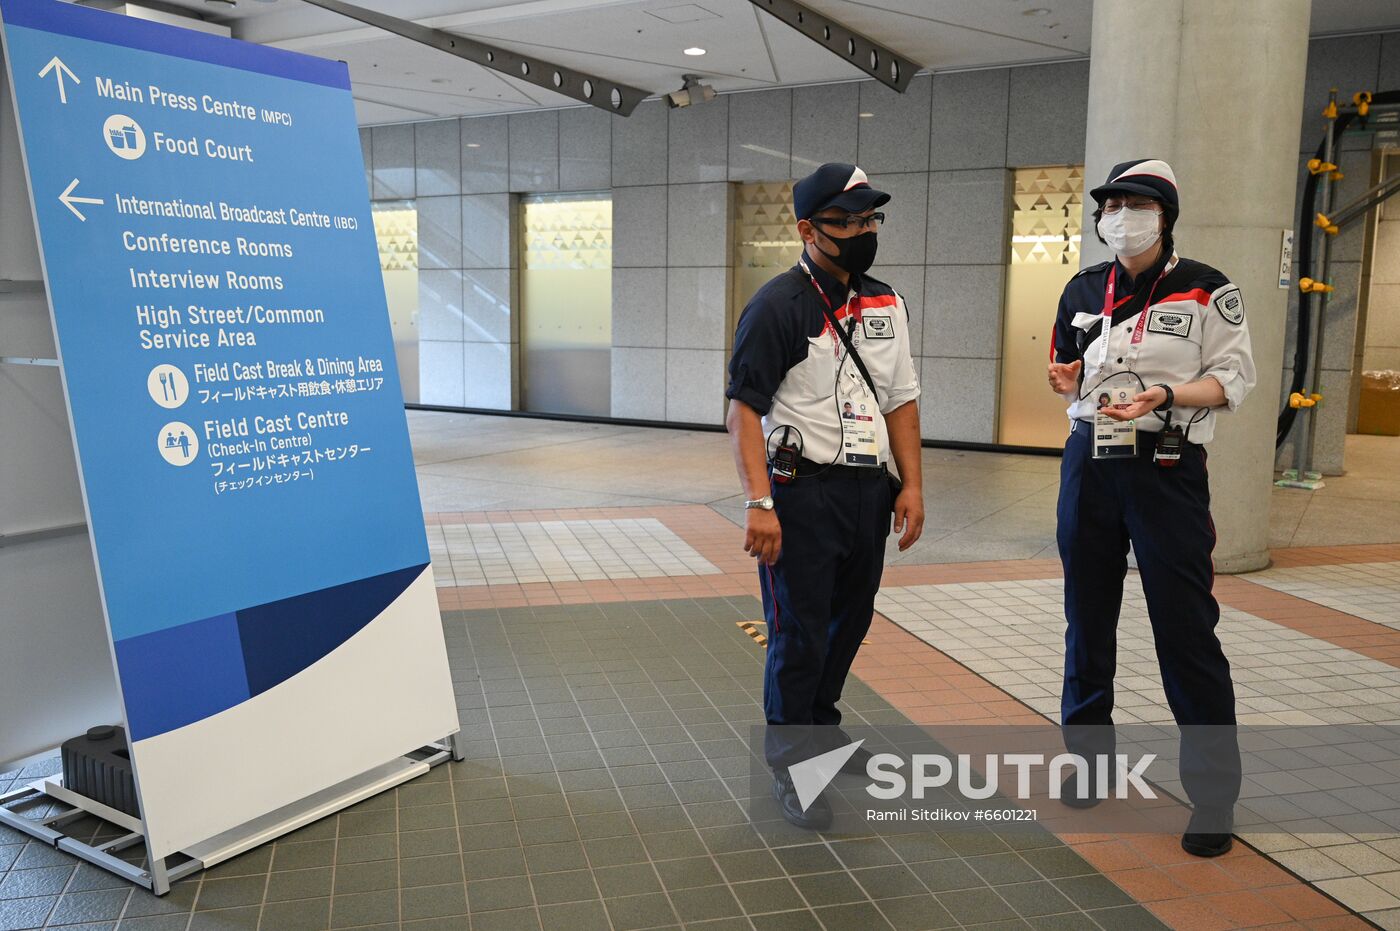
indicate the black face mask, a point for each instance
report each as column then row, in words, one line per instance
column 855, row 254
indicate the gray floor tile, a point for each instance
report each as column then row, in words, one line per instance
column 231, row 893
column 302, row 856
column 705, row 903
column 640, row 911
column 688, row 873
column 299, row 915
column 29, row 912
column 433, row 901
column 47, row 880
column 1089, row 892
column 916, row 913
column 575, row 916
column 226, row 919
column 768, row 895
column 568, row 886
column 515, row 919
column 491, row 894
column 299, row 884
column 863, row 915
column 374, row 876
column 364, row 908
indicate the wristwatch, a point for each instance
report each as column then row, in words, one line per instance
column 764, row 504
column 1171, row 398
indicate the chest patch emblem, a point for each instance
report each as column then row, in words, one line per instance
column 1231, row 306
column 878, row 327
column 1170, row 322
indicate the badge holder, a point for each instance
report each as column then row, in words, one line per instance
column 1114, row 439
column 860, row 439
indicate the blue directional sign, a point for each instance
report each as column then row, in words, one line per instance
column 219, row 308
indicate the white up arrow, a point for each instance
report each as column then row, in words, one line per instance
column 60, row 69
column 68, row 200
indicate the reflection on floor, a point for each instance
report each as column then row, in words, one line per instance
column 591, row 577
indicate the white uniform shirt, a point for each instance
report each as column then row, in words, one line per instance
column 1194, row 327
column 787, row 359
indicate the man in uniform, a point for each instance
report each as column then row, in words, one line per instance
column 818, row 341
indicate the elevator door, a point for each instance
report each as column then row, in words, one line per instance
column 1044, row 255
column 566, row 303
column 765, row 241
column 396, row 229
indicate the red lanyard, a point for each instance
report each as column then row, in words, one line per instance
column 849, row 310
column 1109, row 307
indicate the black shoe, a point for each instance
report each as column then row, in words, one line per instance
column 1204, row 836
column 855, row 766
column 1071, row 796
column 817, row 817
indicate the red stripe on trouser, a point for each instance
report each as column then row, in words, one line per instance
column 773, row 593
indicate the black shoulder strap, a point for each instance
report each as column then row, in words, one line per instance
column 851, row 349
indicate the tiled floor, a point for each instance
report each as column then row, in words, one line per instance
column 606, row 692
column 522, row 552
column 1365, row 590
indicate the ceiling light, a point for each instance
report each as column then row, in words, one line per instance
column 695, row 50
column 1035, row 11
column 473, row 145
column 866, row 116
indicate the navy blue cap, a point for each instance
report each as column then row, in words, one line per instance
column 835, row 185
column 1150, row 177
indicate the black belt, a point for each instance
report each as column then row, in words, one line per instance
column 806, row 468
column 1143, row 448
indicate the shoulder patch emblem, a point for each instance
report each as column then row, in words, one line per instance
column 1231, row 306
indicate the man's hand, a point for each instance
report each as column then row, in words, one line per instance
column 763, row 536
column 909, row 517
column 1065, row 378
column 1143, row 403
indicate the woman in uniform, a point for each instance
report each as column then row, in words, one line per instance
column 1166, row 338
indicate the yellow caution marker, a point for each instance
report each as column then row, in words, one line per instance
column 1298, row 399
column 1336, row 176
column 1362, row 99
column 1330, row 111
column 1308, row 286
column 1326, row 225
column 750, row 628
column 1317, row 166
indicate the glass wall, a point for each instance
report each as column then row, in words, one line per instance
column 765, row 241
column 566, row 304
column 396, row 229
column 1044, row 256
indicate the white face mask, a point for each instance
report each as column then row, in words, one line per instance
column 1130, row 232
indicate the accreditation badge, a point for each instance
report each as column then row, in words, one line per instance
column 860, row 439
column 1114, row 439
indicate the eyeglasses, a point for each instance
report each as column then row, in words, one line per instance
column 1113, row 207
column 852, row 221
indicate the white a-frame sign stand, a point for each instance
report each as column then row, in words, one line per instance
column 249, row 524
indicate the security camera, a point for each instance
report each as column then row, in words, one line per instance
column 692, row 91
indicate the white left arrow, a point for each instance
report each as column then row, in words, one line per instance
column 68, row 200
column 59, row 69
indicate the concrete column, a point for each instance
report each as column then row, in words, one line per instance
column 1215, row 87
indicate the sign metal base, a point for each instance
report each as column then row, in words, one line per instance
column 158, row 875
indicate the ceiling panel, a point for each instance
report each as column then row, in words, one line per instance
column 641, row 42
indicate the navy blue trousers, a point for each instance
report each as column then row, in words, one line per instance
column 1165, row 513
column 818, row 601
